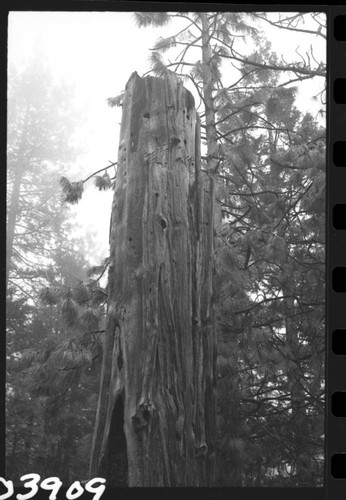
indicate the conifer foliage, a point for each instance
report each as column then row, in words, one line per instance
column 54, row 311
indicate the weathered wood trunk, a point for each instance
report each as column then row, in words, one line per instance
column 155, row 422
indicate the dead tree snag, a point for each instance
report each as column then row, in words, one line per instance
column 159, row 352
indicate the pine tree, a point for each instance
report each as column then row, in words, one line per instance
column 39, row 148
column 265, row 199
column 42, row 367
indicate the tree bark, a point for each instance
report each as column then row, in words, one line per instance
column 156, row 411
column 214, row 155
column 300, row 431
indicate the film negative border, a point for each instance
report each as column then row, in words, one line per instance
column 336, row 258
column 336, row 270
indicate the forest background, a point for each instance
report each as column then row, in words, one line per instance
column 270, row 253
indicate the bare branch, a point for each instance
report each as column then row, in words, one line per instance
column 279, row 24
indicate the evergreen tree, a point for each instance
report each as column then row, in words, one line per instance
column 53, row 367
column 265, row 201
column 51, row 376
column 40, row 130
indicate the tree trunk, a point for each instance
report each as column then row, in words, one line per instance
column 294, row 374
column 214, row 158
column 299, row 417
column 12, row 215
column 155, row 423
column 13, row 207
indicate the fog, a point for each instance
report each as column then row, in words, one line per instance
column 95, row 53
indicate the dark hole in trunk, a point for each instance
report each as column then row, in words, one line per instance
column 117, row 453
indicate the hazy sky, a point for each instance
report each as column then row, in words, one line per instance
column 96, row 52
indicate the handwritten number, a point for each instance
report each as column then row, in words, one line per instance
column 9, row 486
column 34, row 479
column 74, row 486
column 99, row 490
column 51, row 483
column 54, row 484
